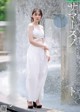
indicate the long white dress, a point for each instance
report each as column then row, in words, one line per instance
column 37, row 67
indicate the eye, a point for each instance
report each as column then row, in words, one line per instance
column 37, row 14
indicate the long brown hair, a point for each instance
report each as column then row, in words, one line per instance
column 34, row 11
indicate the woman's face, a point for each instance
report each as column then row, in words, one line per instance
column 36, row 16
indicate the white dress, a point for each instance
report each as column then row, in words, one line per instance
column 37, row 67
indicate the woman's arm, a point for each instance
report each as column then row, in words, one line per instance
column 33, row 41
column 47, row 52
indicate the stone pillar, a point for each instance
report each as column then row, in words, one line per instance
column 11, row 46
column 65, row 76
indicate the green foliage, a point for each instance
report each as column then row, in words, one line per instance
column 2, row 29
column 3, row 9
column 71, row 1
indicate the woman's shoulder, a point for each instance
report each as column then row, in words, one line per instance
column 30, row 25
column 41, row 26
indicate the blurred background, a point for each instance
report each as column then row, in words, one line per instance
column 62, row 88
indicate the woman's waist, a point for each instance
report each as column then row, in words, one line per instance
column 31, row 46
column 38, row 39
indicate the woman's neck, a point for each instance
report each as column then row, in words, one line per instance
column 35, row 23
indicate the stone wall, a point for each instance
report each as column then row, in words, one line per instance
column 70, row 56
column 3, row 38
column 1, row 41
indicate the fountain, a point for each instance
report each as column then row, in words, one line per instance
column 53, row 40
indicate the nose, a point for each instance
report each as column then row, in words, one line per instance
column 37, row 16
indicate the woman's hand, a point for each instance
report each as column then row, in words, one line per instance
column 47, row 54
column 45, row 47
column 48, row 57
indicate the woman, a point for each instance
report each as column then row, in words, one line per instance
column 37, row 59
